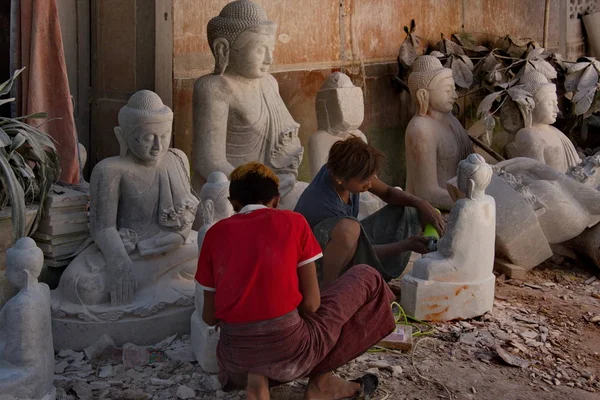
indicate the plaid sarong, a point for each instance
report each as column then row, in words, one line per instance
column 355, row 314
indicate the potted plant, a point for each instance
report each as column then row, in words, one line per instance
column 29, row 165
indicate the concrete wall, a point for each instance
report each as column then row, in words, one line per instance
column 315, row 37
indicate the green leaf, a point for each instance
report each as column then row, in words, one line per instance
column 15, row 192
column 5, row 101
column 588, row 80
column 5, row 140
column 6, row 86
column 18, row 141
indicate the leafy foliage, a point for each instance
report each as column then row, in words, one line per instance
column 29, row 164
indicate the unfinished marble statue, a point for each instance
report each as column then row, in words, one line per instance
column 538, row 139
column 340, row 112
column 435, row 140
column 456, row 281
column 238, row 114
column 26, row 351
column 536, row 207
column 136, row 281
column 215, row 207
column 588, row 171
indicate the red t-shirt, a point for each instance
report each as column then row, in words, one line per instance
column 250, row 260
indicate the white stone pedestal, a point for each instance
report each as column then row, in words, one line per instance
column 204, row 341
column 444, row 301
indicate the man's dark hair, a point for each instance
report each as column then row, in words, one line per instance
column 353, row 158
column 253, row 183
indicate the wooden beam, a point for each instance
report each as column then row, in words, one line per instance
column 164, row 51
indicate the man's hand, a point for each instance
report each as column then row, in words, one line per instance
column 418, row 244
column 429, row 215
column 121, row 282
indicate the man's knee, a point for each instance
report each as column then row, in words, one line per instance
column 346, row 231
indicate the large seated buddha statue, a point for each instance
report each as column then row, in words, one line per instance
column 435, row 140
column 238, row 114
column 142, row 262
column 539, row 139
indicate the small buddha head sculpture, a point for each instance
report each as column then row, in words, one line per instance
column 145, row 126
column 242, row 40
column 545, row 99
column 431, row 86
column 473, row 176
column 213, row 198
column 339, row 105
column 24, row 262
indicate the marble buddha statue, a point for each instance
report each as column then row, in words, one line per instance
column 539, row 139
column 340, row 112
column 238, row 114
column 215, row 206
column 26, row 351
column 143, row 257
column 457, row 281
column 435, row 141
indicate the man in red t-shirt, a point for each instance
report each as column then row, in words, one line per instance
column 257, row 269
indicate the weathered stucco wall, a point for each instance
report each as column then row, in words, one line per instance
column 316, row 36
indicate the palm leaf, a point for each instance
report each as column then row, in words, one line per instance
column 6, row 86
column 15, row 192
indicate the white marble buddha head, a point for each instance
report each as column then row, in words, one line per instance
column 24, row 262
column 544, row 95
column 339, row 105
column 431, row 86
column 242, row 40
column 214, row 198
column 473, row 176
column 145, row 126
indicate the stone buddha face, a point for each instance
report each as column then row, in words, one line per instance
column 441, row 93
column 251, row 55
column 150, row 141
column 546, row 105
column 432, row 86
column 145, row 126
column 473, row 176
column 24, row 261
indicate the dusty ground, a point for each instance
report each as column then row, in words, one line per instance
column 543, row 325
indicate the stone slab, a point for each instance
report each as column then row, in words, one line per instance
column 519, row 236
column 77, row 335
column 511, row 271
column 444, row 301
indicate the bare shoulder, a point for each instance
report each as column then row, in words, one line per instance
column 528, row 135
column 212, row 86
column 421, row 129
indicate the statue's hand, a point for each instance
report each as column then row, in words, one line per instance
column 121, row 282
column 161, row 243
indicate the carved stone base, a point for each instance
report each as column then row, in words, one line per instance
column 204, row 341
column 445, row 301
column 75, row 334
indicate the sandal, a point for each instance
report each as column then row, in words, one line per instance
column 368, row 386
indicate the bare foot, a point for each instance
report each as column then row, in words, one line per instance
column 330, row 387
column 257, row 388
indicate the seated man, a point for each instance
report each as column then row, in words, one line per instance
column 385, row 239
column 257, row 269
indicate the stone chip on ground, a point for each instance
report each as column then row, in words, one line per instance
column 184, row 392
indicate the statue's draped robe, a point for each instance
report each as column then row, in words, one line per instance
column 161, row 280
column 272, row 139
